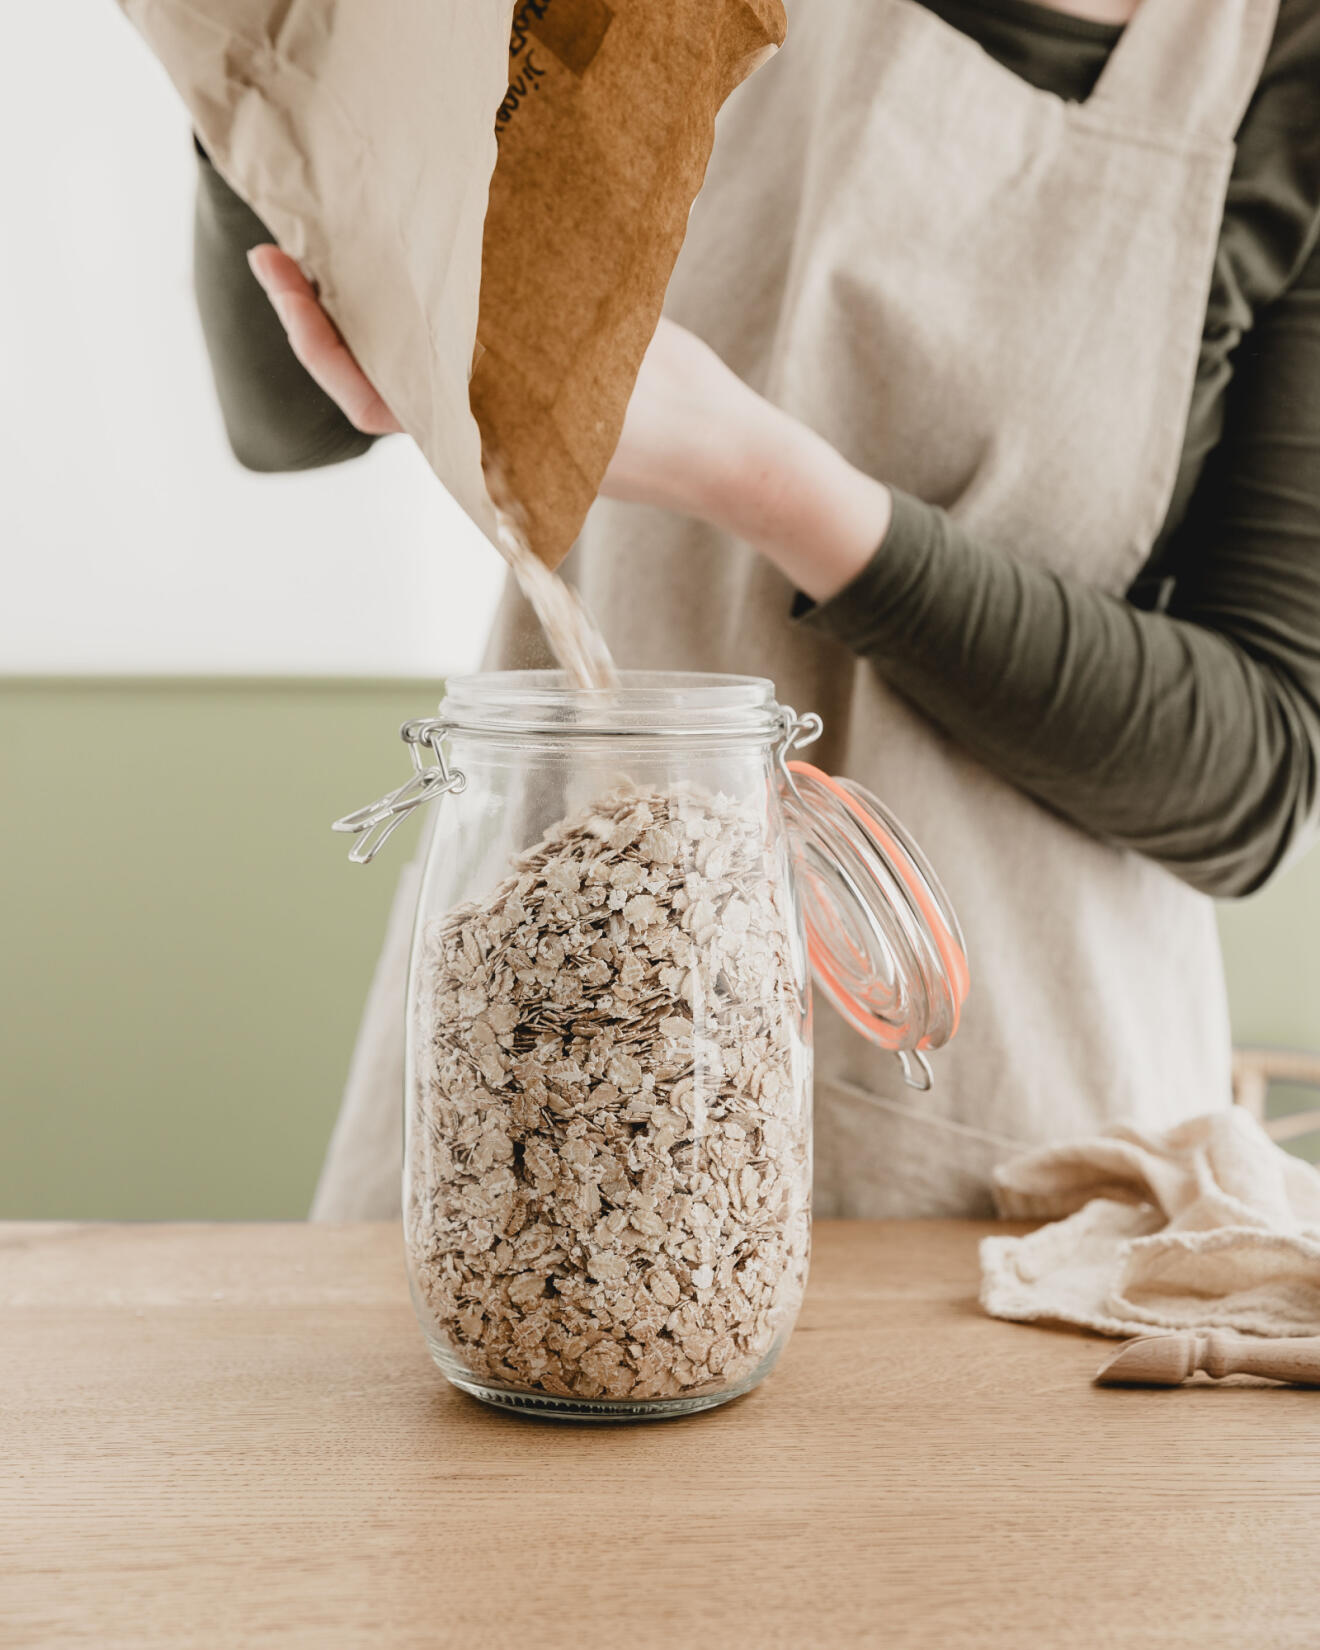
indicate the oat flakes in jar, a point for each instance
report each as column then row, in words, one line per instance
column 607, row 1170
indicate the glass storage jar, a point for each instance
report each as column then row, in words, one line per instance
column 607, row 1166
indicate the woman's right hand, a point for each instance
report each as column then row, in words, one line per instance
column 317, row 344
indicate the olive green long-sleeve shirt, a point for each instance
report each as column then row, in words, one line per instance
column 1183, row 721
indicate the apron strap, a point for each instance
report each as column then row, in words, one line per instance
column 1188, row 66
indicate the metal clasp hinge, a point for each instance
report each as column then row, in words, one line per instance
column 795, row 731
column 374, row 824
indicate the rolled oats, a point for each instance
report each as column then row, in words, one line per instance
column 609, row 1174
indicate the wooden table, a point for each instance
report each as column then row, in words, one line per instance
column 221, row 1436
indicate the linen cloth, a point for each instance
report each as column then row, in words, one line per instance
column 1207, row 1225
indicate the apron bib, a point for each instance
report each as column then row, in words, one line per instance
column 994, row 300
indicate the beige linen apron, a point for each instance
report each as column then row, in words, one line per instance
column 993, row 299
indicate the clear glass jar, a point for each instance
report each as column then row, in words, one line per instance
column 607, row 1168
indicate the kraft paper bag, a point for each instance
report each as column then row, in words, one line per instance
column 489, row 196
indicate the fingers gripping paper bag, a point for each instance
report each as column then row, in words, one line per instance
column 489, row 195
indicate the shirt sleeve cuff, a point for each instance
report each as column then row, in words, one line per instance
column 860, row 613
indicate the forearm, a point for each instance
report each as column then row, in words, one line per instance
column 1150, row 731
column 783, row 489
column 1191, row 736
column 275, row 416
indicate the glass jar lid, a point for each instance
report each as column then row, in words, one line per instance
column 884, row 943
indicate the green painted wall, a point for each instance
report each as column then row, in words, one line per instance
column 1272, row 952
column 186, row 947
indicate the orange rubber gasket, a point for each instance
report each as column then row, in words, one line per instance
column 950, row 953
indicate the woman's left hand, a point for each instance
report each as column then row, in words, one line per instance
column 695, row 440
column 699, row 441
column 682, row 441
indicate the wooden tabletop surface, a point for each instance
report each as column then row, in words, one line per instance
column 219, row 1436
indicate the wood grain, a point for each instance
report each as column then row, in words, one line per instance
column 221, row 1436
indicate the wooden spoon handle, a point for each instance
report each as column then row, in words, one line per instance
column 1167, row 1360
column 1284, row 1358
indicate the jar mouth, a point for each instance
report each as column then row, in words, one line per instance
column 660, row 703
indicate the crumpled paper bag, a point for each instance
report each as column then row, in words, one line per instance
column 1208, row 1225
column 372, row 136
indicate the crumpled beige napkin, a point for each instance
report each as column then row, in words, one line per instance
column 1208, row 1225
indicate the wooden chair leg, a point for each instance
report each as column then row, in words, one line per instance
column 1254, row 1069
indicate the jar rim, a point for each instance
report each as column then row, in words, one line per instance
column 661, row 703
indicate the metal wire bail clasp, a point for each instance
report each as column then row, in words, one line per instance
column 374, row 824
column 795, row 731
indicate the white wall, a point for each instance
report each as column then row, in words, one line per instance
column 131, row 539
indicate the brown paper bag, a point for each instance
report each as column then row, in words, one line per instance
column 369, row 136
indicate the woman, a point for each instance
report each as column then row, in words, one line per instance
column 1004, row 457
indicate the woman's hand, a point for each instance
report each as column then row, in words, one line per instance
column 695, row 440
column 317, row 344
